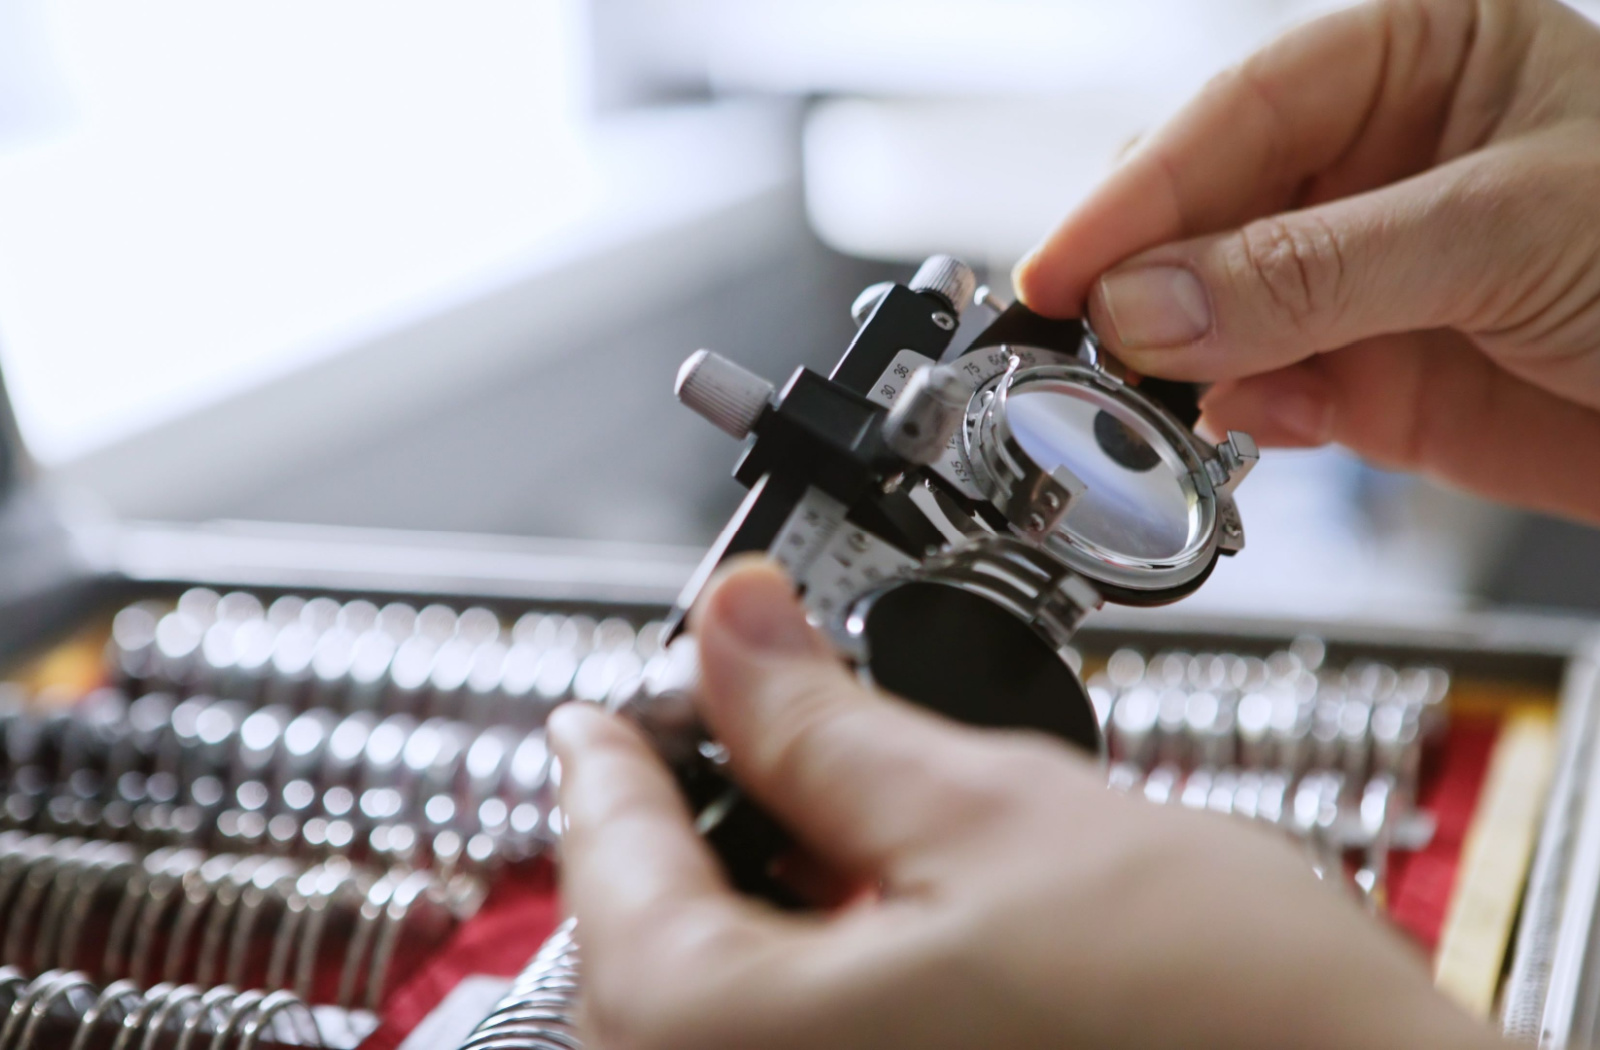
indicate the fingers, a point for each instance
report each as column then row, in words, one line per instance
column 1292, row 407
column 863, row 780
column 1473, row 244
column 1428, row 402
column 671, row 956
column 1350, row 101
column 631, row 861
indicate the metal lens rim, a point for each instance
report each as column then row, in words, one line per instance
column 1001, row 463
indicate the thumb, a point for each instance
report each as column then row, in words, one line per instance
column 1447, row 248
column 862, row 779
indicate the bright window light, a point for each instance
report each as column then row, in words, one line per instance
column 243, row 188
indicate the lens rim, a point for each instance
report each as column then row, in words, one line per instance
column 1009, row 476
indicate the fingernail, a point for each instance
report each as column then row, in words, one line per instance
column 756, row 605
column 1303, row 416
column 1154, row 307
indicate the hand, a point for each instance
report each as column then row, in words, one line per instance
column 1021, row 903
column 1383, row 230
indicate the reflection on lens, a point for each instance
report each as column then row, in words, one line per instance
column 1135, row 503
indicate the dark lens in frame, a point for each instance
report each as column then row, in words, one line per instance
column 967, row 657
column 1125, row 447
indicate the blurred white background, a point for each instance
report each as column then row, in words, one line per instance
column 432, row 266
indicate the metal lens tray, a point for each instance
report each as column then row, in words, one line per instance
column 1551, row 993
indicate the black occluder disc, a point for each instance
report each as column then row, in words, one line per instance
column 1122, row 444
column 966, row 657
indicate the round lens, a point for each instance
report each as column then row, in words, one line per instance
column 1136, row 501
column 968, row 658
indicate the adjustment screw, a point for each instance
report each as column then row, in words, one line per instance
column 948, row 278
column 868, row 301
column 1035, row 523
column 729, row 395
column 927, row 414
column 986, row 298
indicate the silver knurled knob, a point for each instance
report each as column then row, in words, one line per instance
column 729, row 395
column 949, row 278
column 927, row 413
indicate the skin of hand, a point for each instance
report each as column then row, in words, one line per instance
column 1384, row 231
column 1019, row 902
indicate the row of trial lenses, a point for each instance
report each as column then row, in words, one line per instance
column 1288, row 711
column 65, row 1009
column 356, row 655
column 156, row 824
column 1312, row 807
column 180, row 914
column 159, row 771
column 1307, row 805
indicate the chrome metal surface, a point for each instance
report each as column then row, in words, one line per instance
column 1016, row 575
column 1331, row 754
column 67, row 1009
column 540, row 1011
column 927, row 414
column 264, row 834
column 868, row 301
column 1088, row 466
column 948, row 278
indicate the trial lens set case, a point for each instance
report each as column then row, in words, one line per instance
column 277, row 785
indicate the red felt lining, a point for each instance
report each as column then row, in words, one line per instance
column 521, row 911
column 1420, row 883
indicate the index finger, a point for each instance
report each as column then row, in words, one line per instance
column 1341, row 104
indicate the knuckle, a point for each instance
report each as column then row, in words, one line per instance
column 1297, row 263
column 1396, row 13
column 1522, row 211
column 1493, row 12
column 1498, row 209
column 1497, row 195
